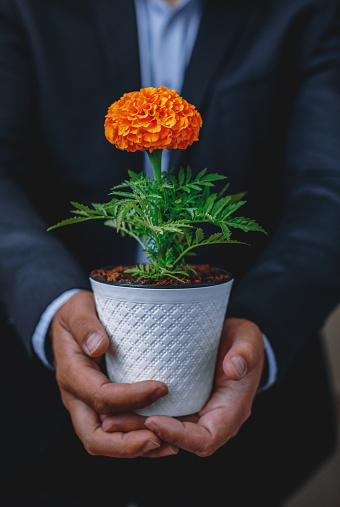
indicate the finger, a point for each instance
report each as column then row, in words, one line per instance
column 163, row 451
column 129, row 421
column 93, row 388
column 80, row 375
column 122, row 422
column 133, row 422
column 98, row 442
column 246, row 348
column 79, row 317
column 189, row 436
column 189, row 418
column 166, row 449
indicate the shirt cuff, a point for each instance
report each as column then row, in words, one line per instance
column 40, row 332
column 272, row 368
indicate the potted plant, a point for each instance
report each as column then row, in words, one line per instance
column 164, row 317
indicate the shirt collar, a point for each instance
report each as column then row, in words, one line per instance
column 165, row 5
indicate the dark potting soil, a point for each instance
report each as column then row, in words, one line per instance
column 205, row 274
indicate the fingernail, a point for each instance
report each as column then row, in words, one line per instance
column 238, row 366
column 168, row 451
column 107, row 425
column 150, row 445
column 152, row 426
column 161, row 391
column 92, row 343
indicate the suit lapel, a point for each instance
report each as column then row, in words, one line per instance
column 117, row 31
column 220, row 26
column 116, row 21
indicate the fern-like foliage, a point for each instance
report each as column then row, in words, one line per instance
column 166, row 217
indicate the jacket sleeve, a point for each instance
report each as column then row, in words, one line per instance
column 296, row 281
column 35, row 267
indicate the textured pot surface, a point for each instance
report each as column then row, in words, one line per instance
column 170, row 335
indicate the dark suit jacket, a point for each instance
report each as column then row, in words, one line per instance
column 265, row 76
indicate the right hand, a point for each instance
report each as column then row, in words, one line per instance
column 79, row 340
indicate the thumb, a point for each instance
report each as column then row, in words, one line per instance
column 79, row 316
column 245, row 348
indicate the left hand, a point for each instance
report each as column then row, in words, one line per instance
column 238, row 372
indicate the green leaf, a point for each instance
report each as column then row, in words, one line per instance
column 199, row 236
column 124, row 209
column 214, row 177
column 122, row 194
column 81, row 212
column 171, row 228
column 100, row 207
column 209, row 203
column 216, row 237
column 70, row 221
column 181, row 272
column 111, row 223
column 222, row 203
column 205, row 183
column 232, row 208
column 195, row 187
column 80, row 206
column 188, row 237
column 223, row 191
column 135, row 176
column 238, row 197
column 245, row 224
column 200, row 175
column 225, row 231
column 138, row 192
column 192, row 212
column 190, row 254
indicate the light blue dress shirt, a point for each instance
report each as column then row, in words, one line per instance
column 166, row 36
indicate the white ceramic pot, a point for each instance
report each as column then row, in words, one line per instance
column 166, row 334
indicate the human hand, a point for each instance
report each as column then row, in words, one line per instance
column 238, row 372
column 79, row 341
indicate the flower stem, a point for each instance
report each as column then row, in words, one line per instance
column 156, row 161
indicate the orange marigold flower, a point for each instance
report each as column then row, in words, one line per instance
column 153, row 118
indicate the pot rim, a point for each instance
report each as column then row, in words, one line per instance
column 229, row 277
